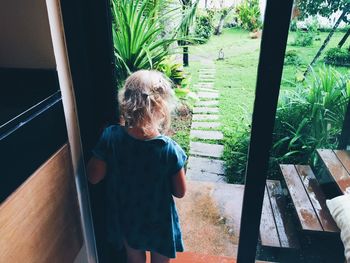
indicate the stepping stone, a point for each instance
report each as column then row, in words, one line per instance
column 210, row 74
column 207, row 80
column 207, row 69
column 210, row 125
column 206, row 76
column 206, row 149
column 206, row 135
column 207, row 73
column 205, row 117
column 203, row 75
column 205, row 110
column 208, row 90
column 208, row 95
column 204, row 85
column 207, row 103
column 202, row 165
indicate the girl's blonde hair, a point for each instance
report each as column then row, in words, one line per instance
column 145, row 101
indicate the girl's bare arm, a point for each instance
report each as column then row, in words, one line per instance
column 96, row 170
column 179, row 184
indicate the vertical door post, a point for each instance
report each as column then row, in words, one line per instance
column 70, row 111
column 273, row 45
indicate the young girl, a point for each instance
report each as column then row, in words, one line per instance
column 143, row 169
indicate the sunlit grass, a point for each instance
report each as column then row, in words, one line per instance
column 236, row 74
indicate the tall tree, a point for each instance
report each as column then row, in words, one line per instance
column 320, row 7
column 344, row 38
column 328, row 38
column 224, row 13
column 324, row 8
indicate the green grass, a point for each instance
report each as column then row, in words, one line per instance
column 307, row 54
column 236, row 74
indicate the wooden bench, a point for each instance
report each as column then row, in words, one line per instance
column 337, row 163
column 308, row 198
column 276, row 228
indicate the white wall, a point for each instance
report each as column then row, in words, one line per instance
column 25, row 40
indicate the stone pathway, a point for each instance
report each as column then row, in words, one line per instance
column 210, row 226
column 204, row 163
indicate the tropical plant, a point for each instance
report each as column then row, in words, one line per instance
column 138, row 32
column 311, row 117
column 172, row 70
column 307, row 118
column 249, row 15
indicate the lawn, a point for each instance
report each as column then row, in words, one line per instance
column 236, row 74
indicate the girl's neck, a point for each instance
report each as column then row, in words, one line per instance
column 140, row 134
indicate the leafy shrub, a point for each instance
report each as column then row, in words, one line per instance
column 337, row 56
column 311, row 117
column 172, row 70
column 308, row 118
column 204, row 27
column 236, row 151
column 249, row 15
column 292, row 58
column 303, row 38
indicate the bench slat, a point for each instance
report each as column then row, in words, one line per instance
column 302, row 204
column 268, row 232
column 344, row 157
column 316, row 197
column 285, row 228
column 336, row 169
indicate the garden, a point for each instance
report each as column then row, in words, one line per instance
column 182, row 37
column 314, row 94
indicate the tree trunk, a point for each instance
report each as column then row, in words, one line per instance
column 345, row 37
column 220, row 26
column 206, row 4
column 326, row 41
column 224, row 14
column 185, row 56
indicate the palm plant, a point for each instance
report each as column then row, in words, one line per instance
column 138, row 32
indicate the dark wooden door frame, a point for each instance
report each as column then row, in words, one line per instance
column 90, row 48
column 272, row 51
column 88, row 33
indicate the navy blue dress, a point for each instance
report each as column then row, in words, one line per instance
column 139, row 198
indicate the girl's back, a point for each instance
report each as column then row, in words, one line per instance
column 139, row 194
column 143, row 170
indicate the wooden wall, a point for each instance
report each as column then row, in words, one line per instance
column 40, row 221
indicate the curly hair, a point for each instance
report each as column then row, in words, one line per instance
column 145, row 101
